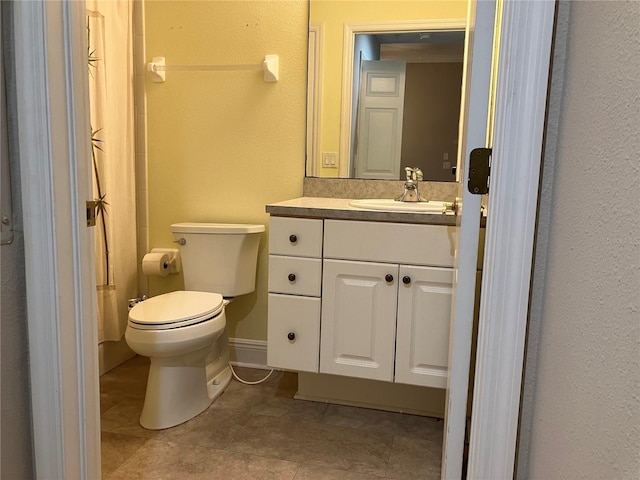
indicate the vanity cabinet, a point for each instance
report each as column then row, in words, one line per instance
column 386, row 322
column 386, row 301
column 381, row 310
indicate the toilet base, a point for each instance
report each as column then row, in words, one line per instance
column 176, row 394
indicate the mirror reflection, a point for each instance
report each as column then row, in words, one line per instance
column 385, row 84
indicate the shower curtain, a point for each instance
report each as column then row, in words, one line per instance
column 110, row 65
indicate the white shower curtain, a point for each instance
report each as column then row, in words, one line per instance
column 110, row 64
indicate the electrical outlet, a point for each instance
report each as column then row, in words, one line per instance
column 446, row 165
column 330, row 160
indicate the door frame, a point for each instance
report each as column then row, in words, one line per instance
column 526, row 38
column 54, row 149
column 62, row 332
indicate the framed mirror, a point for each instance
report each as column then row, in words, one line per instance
column 385, row 81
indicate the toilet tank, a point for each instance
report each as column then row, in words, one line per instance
column 218, row 257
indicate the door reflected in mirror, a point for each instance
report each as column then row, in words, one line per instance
column 393, row 78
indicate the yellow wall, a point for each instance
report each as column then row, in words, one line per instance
column 223, row 144
column 333, row 15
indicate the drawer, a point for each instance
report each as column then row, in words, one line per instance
column 298, row 317
column 295, row 275
column 296, row 237
column 407, row 243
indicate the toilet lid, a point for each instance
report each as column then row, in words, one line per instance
column 175, row 309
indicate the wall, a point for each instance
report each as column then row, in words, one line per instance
column 581, row 408
column 221, row 145
column 431, row 118
column 334, row 14
column 14, row 387
column 15, row 398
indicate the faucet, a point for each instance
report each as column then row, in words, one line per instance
column 411, row 193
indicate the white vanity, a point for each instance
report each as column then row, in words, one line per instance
column 359, row 294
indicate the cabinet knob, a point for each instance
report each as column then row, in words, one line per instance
column 291, row 336
column 293, row 238
column 292, row 277
column 388, row 277
column 406, row 279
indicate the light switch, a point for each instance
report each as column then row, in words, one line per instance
column 330, row 160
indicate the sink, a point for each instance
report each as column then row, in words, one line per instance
column 390, row 205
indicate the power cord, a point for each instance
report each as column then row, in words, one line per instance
column 246, row 382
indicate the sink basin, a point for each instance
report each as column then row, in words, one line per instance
column 390, row 205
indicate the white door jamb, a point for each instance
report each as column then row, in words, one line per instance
column 521, row 96
column 54, row 170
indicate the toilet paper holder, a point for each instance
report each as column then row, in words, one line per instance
column 175, row 261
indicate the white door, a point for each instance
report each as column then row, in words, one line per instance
column 424, row 312
column 380, row 110
column 358, row 319
column 473, row 134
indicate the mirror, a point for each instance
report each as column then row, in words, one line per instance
column 384, row 90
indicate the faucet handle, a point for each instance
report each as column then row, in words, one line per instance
column 410, row 173
column 417, row 174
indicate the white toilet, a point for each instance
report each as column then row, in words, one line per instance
column 183, row 332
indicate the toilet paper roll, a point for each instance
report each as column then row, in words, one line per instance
column 156, row 264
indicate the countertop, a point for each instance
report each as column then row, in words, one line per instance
column 339, row 208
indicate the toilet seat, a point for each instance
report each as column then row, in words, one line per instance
column 175, row 310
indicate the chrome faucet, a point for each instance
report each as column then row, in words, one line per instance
column 411, row 192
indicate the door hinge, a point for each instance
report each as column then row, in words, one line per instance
column 91, row 213
column 479, row 171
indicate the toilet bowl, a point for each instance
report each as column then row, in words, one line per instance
column 177, row 331
column 184, row 332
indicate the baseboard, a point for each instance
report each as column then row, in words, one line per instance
column 112, row 354
column 244, row 352
column 361, row 392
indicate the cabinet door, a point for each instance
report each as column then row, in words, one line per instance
column 424, row 307
column 358, row 319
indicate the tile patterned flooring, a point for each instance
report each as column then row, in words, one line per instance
column 261, row 432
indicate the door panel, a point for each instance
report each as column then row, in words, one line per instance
column 424, row 309
column 380, row 113
column 358, row 319
column 473, row 134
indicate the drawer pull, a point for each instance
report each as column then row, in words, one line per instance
column 292, row 277
column 406, row 279
column 291, row 336
column 293, row 238
column 388, row 277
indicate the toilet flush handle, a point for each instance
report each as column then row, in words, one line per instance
column 181, row 241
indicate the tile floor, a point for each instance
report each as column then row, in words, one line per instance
column 261, row 432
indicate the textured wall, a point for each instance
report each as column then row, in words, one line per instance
column 221, row 145
column 581, row 410
column 15, row 397
column 17, row 458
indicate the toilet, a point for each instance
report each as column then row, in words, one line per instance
column 184, row 332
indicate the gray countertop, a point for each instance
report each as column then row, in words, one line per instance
column 339, row 208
